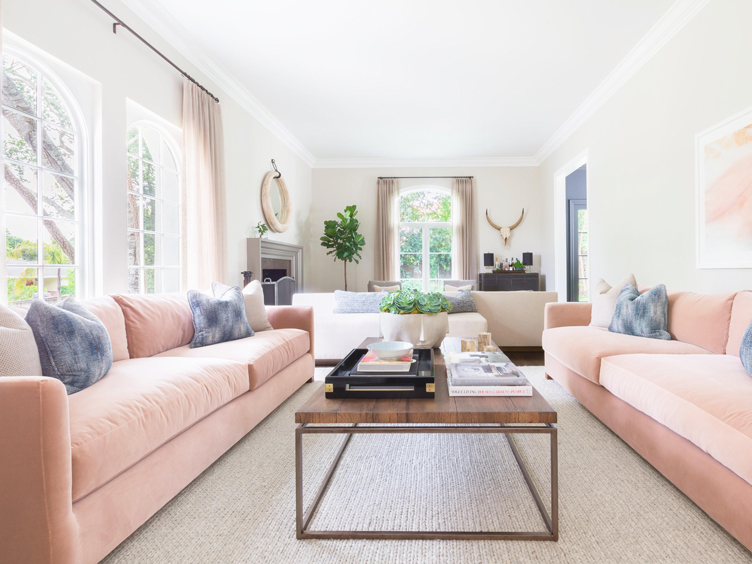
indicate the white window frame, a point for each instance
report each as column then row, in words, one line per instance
column 424, row 226
column 81, row 179
column 167, row 140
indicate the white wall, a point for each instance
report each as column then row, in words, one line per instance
column 641, row 155
column 79, row 34
column 503, row 190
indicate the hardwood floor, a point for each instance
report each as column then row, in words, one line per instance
column 526, row 358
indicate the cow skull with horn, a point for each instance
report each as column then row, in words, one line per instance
column 505, row 232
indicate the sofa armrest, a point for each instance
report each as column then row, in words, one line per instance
column 36, row 509
column 566, row 315
column 292, row 317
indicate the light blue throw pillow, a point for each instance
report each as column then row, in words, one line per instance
column 462, row 301
column 220, row 318
column 357, row 302
column 642, row 315
column 745, row 352
column 73, row 344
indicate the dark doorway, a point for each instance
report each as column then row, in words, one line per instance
column 578, row 284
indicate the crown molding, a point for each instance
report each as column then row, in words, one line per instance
column 176, row 35
column 425, row 163
column 680, row 13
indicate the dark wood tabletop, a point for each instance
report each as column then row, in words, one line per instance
column 443, row 408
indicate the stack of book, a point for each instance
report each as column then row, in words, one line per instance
column 478, row 374
column 372, row 363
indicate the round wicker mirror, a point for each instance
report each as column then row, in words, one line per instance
column 275, row 202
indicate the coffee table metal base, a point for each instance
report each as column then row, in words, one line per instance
column 303, row 519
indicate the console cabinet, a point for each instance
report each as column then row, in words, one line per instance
column 508, row 281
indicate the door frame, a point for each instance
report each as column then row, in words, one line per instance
column 560, row 223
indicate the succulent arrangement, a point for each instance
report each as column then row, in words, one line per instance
column 406, row 302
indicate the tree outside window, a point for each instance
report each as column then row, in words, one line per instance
column 42, row 185
column 153, row 212
column 425, row 239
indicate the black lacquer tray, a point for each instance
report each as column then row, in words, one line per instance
column 344, row 381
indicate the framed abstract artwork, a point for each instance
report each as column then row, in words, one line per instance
column 724, row 194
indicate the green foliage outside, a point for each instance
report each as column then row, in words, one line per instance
column 342, row 239
column 406, row 302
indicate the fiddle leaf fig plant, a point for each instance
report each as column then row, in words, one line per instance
column 407, row 302
column 342, row 239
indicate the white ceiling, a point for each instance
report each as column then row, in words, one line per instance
column 414, row 79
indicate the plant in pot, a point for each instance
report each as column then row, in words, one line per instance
column 417, row 317
column 342, row 238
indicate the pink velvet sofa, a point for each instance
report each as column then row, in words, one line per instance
column 684, row 405
column 80, row 473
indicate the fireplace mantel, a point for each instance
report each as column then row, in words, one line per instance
column 260, row 249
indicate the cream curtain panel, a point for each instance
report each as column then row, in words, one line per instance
column 464, row 233
column 386, row 246
column 204, row 250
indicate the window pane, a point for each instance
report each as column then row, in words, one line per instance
column 428, row 205
column 150, row 144
column 149, row 287
column 133, row 211
column 582, row 220
column 171, row 250
column 411, row 240
column 149, row 249
column 53, row 107
column 131, row 141
column 150, row 179
column 21, row 240
column 583, row 243
column 412, row 285
column 134, row 251
column 20, row 189
column 582, row 266
column 440, row 240
column 22, row 283
column 59, row 282
column 59, row 193
column 441, row 266
column 170, row 186
column 171, row 280
column 411, row 266
column 59, row 149
column 19, row 137
column 134, row 275
column 584, row 290
column 435, row 286
column 149, row 211
column 170, row 219
column 168, row 160
column 59, row 242
column 134, row 178
column 20, row 91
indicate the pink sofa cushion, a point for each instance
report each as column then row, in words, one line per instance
column 741, row 316
column 140, row 405
column 700, row 319
column 265, row 354
column 707, row 399
column 109, row 313
column 582, row 348
column 155, row 324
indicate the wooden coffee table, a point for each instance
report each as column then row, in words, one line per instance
column 445, row 414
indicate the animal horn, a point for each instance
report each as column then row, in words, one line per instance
column 491, row 222
column 518, row 221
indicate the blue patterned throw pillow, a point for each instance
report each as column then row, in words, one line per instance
column 220, row 318
column 73, row 344
column 642, row 315
column 745, row 352
column 462, row 301
column 357, row 302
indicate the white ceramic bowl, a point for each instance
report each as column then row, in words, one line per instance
column 390, row 350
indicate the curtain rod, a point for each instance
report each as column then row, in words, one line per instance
column 400, row 177
column 118, row 22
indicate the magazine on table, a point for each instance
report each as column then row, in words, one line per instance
column 491, row 374
column 475, row 357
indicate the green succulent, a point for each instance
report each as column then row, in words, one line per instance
column 406, row 302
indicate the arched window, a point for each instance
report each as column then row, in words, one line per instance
column 43, row 213
column 153, row 211
column 425, row 238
